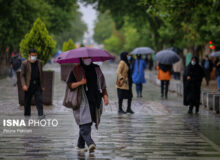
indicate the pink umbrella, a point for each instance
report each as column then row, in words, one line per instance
column 73, row 56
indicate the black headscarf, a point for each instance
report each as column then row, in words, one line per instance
column 165, row 67
column 91, row 88
column 124, row 58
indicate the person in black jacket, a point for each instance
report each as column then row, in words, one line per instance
column 193, row 76
column 207, row 66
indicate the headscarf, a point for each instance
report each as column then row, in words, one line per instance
column 165, row 67
column 124, row 58
column 139, row 56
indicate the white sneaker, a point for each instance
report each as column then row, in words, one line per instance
column 82, row 149
column 92, row 148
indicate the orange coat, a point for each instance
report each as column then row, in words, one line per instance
column 163, row 75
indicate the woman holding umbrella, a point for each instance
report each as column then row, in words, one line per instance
column 192, row 84
column 164, row 75
column 165, row 58
column 124, row 83
column 138, row 76
column 89, row 81
column 93, row 83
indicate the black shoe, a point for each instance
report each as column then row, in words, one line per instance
column 121, row 111
column 130, row 111
column 190, row 111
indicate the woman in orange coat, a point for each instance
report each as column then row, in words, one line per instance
column 164, row 75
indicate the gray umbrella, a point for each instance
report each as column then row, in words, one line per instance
column 215, row 54
column 167, row 57
column 142, row 50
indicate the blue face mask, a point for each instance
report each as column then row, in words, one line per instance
column 129, row 58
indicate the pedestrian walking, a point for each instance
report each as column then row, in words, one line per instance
column 164, row 75
column 177, row 69
column 138, row 75
column 89, row 78
column 207, row 66
column 15, row 66
column 193, row 76
column 218, row 74
column 124, row 83
column 32, row 83
column 150, row 62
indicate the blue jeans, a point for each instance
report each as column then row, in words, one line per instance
column 218, row 82
column 139, row 89
column 85, row 135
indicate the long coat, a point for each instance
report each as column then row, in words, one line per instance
column 138, row 72
column 83, row 115
column 192, row 87
column 122, row 75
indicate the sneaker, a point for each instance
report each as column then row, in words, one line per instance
column 92, row 148
column 82, row 149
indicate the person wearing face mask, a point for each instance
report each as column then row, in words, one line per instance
column 124, row 83
column 90, row 78
column 192, row 80
column 138, row 75
column 32, row 83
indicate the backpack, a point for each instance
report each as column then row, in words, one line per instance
column 16, row 63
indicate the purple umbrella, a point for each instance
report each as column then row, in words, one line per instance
column 73, row 56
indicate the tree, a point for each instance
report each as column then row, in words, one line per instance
column 38, row 38
column 68, row 45
column 115, row 43
column 104, row 26
column 17, row 17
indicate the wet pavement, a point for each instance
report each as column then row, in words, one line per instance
column 159, row 129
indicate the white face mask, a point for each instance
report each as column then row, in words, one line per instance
column 87, row 61
column 193, row 62
column 33, row 58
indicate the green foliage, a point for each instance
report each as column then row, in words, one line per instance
column 62, row 19
column 17, row 17
column 183, row 23
column 115, row 42
column 68, row 45
column 38, row 38
column 104, row 26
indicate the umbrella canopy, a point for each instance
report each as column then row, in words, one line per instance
column 215, row 54
column 73, row 56
column 142, row 50
column 167, row 57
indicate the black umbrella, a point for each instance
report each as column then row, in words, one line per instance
column 167, row 57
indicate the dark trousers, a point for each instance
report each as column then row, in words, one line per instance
column 191, row 108
column 34, row 90
column 176, row 75
column 120, row 101
column 164, row 88
column 139, row 88
column 207, row 76
column 85, row 135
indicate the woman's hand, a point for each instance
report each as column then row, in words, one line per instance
column 79, row 83
column 83, row 81
column 106, row 102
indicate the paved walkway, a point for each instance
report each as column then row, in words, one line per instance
column 158, row 130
